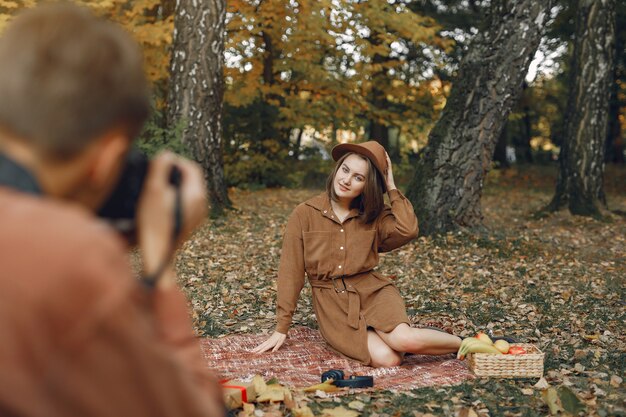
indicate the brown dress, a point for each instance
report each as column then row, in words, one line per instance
column 317, row 243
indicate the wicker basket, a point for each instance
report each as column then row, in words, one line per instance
column 528, row 365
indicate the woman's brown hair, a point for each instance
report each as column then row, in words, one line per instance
column 370, row 203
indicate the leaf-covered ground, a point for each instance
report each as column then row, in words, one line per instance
column 555, row 281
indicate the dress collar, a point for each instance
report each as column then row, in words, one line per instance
column 321, row 203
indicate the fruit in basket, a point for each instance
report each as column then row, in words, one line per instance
column 517, row 350
column 502, row 345
column 474, row 345
column 484, row 338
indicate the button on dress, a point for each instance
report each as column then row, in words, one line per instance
column 317, row 244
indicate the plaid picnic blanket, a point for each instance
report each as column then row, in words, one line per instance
column 304, row 356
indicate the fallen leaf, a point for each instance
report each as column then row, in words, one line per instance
column 232, row 403
column 303, row 411
column 467, row 412
column 339, row 412
column 598, row 391
column 290, row 403
column 273, row 413
column 356, row 405
column 259, row 384
column 248, row 410
column 567, row 294
column 551, row 398
column 570, row 402
column 274, row 393
column 326, row 386
column 616, row 381
column 541, row 384
column 321, row 394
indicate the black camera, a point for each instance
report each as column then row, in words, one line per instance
column 354, row 381
column 120, row 210
column 121, row 207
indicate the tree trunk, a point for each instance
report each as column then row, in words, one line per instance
column 296, row 149
column 528, row 127
column 450, row 170
column 168, row 7
column 269, row 112
column 197, row 89
column 379, row 133
column 581, row 161
column 499, row 154
column 614, row 141
column 378, row 95
column 527, row 132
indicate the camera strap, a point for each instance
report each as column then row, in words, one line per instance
column 355, row 381
column 175, row 179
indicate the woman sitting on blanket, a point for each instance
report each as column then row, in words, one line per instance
column 335, row 238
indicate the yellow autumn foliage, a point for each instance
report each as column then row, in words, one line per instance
column 291, row 55
column 142, row 18
column 314, row 61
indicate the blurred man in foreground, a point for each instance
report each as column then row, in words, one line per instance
column 79, row 335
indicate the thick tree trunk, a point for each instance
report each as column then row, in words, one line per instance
column 450, row 170
column 197, row 89
column 581, row 161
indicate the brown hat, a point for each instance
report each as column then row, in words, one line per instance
column 372, row 149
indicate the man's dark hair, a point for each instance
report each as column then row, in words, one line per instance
column 67, row 77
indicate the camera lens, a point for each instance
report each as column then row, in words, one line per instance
column 121, row 206
column 334, row 374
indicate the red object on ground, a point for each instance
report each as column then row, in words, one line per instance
column 304, row 356
column 244, row 393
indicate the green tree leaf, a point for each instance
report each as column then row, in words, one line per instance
column 570, row 402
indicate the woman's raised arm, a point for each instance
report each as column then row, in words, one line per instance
column 397, row 224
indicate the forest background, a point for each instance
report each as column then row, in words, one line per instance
column 495, row 113
column 302, row 76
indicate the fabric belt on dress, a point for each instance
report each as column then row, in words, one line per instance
column 354, row 300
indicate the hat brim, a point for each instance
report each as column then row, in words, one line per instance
column 344, row 148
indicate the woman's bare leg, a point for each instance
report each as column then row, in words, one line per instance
column 380, row 352
column 422, row 341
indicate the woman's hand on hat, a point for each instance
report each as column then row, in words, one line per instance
column 274, row 342
column 391, row 185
